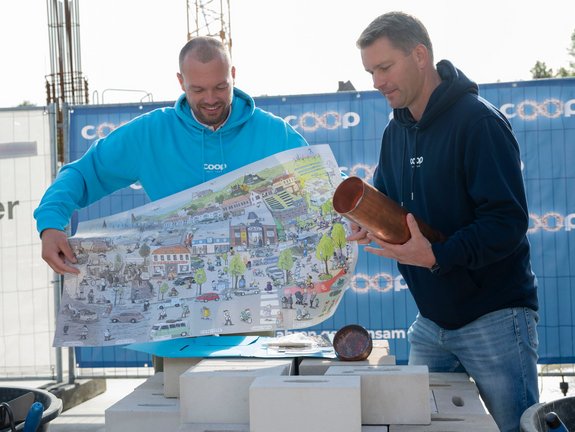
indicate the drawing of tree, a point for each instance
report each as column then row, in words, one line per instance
column 338, row 236
column 237, row 268
column 200, row 278
column 163, row 290
column 286, row 262
column 324, row 251
column 144, row 252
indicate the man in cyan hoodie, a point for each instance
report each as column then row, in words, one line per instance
column 212, row 129
column 450, row 159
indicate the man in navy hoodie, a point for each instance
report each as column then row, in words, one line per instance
column 450, row 159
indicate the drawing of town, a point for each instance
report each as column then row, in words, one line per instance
column 257, row 249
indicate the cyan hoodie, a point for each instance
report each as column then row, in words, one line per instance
column 167, row 151
column 459, row 170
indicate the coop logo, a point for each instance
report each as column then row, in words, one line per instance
column 551, row 222
column 90, row 132
column 380, row 282
column 531, row 110
column 311, row 121
column 215, row 167
column 416, row 161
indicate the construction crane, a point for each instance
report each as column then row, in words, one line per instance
column 210, row 18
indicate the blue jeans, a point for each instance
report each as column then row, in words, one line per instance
column 498, row 350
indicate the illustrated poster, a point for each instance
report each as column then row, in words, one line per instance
column 257, row 249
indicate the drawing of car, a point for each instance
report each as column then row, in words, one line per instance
column 211, row 296
column 246, row 291
column 169, row 329
column 132, row 317
column 85, row 315
column 274, row 272
column 184, row 280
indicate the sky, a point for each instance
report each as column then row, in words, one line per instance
column 129, row 48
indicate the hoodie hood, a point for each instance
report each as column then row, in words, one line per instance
column 453, row 85
column 213, row 144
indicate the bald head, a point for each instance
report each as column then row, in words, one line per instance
column 204, row 49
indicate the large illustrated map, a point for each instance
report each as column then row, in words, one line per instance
column 257, row 249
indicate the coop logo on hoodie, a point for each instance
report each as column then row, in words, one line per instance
column 218, row 167
column 416, row 162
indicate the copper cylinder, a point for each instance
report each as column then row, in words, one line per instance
column 363, row 204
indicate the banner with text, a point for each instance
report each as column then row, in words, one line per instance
column 542, row 114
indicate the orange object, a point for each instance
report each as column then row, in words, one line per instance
column 363, row 204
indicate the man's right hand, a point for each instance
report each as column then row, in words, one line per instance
column 358, row 234
column 56, row 251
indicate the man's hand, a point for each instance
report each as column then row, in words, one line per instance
column 56, row 251
column 416, row 251
column 358, row 234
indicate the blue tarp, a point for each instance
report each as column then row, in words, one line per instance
column 542, row 113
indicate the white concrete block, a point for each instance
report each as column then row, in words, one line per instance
column 453, row 400
column 305, row 404
column 155, row 383
column 318, row 366
column 173, row 368
column 214, row 427
column 143, row 411
column 467, row 423
column 391, row 394
column 213, row 392
column 248, row 361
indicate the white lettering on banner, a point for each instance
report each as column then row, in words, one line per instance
column 362, row 171
column 375, row 334
column 551, row 222
column 8, row 209
column 529, row 109
column 310, row 121
column 90, row 132
column 382, row 282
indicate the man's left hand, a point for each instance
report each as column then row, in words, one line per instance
column 416, row 251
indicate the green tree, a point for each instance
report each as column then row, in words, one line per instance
column 237, row 268
column 118, row 262
column 286, row 262
column 338, row 236
column 540, row 69
column 327, row 208
column 201, row 278
column 324, row 251
column 163, row 290
column 144, row 252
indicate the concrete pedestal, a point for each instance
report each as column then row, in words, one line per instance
column 216, row 391
column 305, row 404
column 391, row 394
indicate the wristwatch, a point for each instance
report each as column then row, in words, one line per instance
column 435, row 268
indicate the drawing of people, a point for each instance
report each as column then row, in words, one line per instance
column 84, row 332
column 185, row 311
column 91, row 296
column 107, row 334
column 206, row 313
column 227, row 318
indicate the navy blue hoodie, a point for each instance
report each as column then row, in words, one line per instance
column 459, row 170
